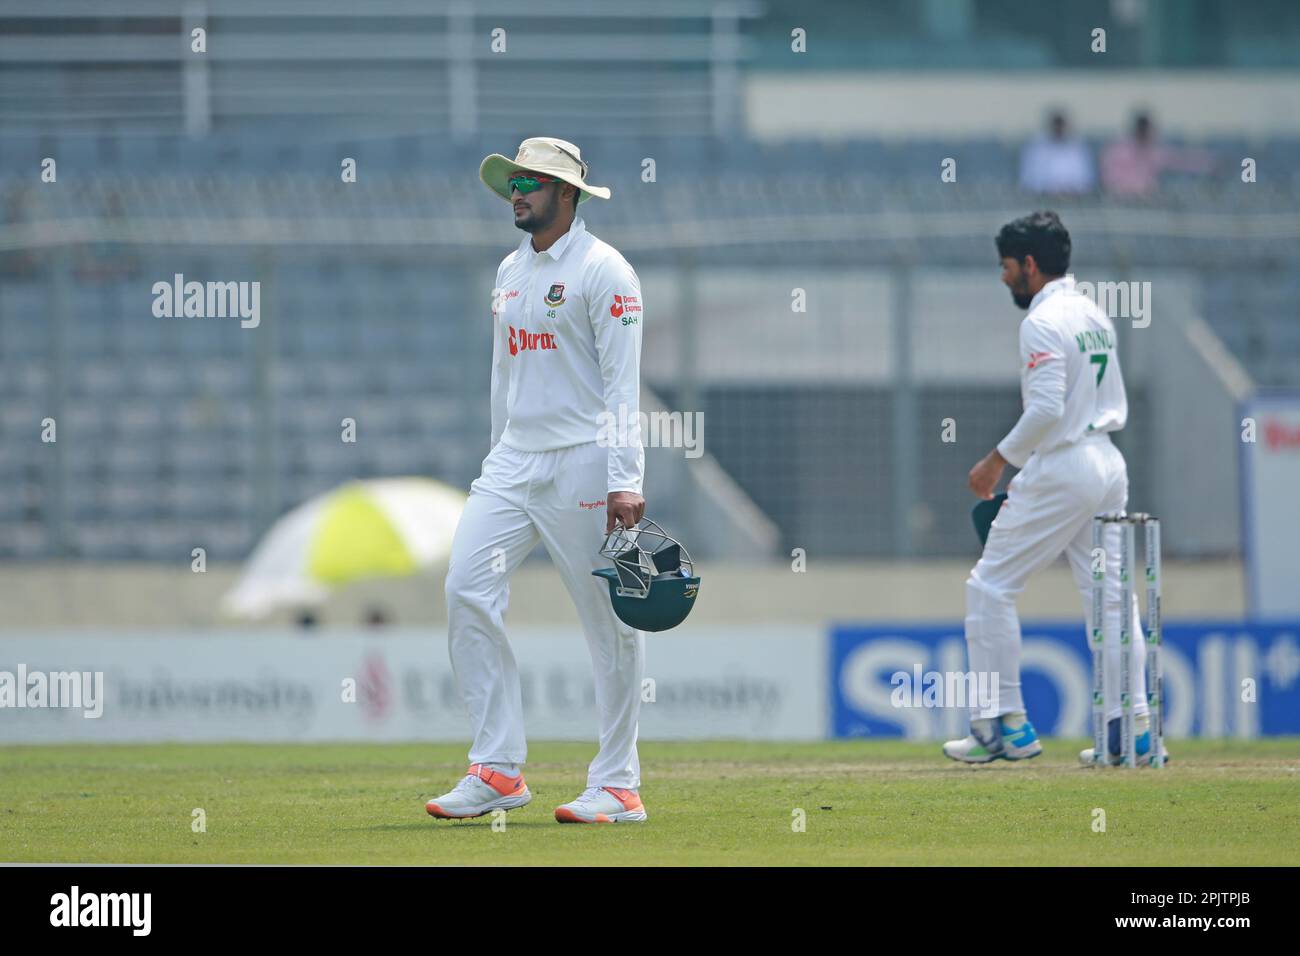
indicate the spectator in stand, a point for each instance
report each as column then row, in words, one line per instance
column 1132, row 167
column 1057, row 162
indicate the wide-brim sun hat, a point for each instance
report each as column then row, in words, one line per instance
column 541, row 154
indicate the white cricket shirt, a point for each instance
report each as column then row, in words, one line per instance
column 1070, row 381
column 566, row 358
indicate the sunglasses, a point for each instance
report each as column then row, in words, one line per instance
column 528, row 184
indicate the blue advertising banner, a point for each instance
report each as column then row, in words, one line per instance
column 1222, row 679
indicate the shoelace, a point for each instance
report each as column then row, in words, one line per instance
column 468, row 781
column 590, row 795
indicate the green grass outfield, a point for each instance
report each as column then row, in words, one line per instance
column 869, row 802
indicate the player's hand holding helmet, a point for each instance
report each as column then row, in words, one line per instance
column 652, row 584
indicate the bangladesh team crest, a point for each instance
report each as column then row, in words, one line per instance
column 556, row 295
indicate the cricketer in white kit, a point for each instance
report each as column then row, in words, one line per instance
column 568, row 317
column 1073, row 396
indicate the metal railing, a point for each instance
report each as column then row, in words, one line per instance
column 491, row 65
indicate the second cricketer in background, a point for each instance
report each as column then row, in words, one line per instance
column 567, row 320
column 1073, row 395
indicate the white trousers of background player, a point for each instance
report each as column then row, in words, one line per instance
column 519, row 498
column 1049, row 509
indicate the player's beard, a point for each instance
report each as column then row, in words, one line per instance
column 535, row 220
column 1020, row 294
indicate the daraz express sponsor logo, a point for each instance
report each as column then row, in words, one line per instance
column 522, row 340
column 627, row 308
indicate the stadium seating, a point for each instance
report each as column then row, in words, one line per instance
column 174, row 431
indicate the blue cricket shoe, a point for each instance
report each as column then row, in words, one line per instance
column 1009, row 737
column 1114, row 727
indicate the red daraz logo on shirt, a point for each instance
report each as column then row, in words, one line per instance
column 523, row 341
column 1038, row 358
column 627, row 308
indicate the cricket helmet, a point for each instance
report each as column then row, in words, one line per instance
column 653, row 582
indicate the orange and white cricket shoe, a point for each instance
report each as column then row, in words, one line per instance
column 480, row 791
column 603, row 805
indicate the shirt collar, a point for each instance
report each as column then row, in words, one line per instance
column 1064, row 284
column 556, row 250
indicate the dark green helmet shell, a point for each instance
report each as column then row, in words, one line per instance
column 665, row 605
column 652, row 584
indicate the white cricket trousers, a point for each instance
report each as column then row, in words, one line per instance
column 559, row 497
column 1049, row 509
